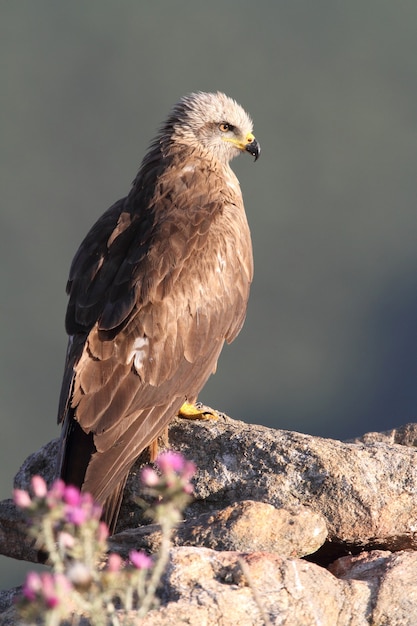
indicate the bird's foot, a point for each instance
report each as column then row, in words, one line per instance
column 197, row 411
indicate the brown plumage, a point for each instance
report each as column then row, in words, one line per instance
column 158, row 284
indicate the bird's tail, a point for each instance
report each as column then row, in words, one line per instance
column 112, row 506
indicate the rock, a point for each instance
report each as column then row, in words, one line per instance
column 14, row 541
column 253, row 589
column 42, row 462
column 244, row 526
column 263, row 497
column 13, row 537
column 366, row 492
column 203, row 586
column 7, row 598
column 403, row 435
column 391, row 579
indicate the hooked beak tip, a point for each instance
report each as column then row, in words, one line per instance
column 254, row 149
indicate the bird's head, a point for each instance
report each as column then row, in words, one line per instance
column 214, row 122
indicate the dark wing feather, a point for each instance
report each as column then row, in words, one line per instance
column 156, row 288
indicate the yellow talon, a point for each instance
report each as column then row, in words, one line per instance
column 197, row 411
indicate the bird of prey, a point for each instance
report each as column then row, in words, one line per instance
column 157, row 286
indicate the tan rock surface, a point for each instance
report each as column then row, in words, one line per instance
column 404, row 435
column 392, row 580
column 283, row 591
column 244, row 526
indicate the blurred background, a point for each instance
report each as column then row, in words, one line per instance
column 330, row 345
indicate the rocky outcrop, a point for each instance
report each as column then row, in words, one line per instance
column 265, row 498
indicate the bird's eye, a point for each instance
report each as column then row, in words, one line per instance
column 225, row 127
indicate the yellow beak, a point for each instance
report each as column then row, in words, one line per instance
column 249, row 144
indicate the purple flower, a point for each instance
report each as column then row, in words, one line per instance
column 52, row 588
column 56, row 492
column 55, row 588
column 79, row 507
column 149, row 477
column 21, row 498
column 32, row 586
column 173, row 462
column 72, row 495
column 51, row 599
column 170, row 462
column 39, row 486
column 114, row 562
column 140, row 560
column 75, row 515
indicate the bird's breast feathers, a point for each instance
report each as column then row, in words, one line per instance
column 190, row 294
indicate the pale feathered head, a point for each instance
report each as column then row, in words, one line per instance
column 214, row 122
